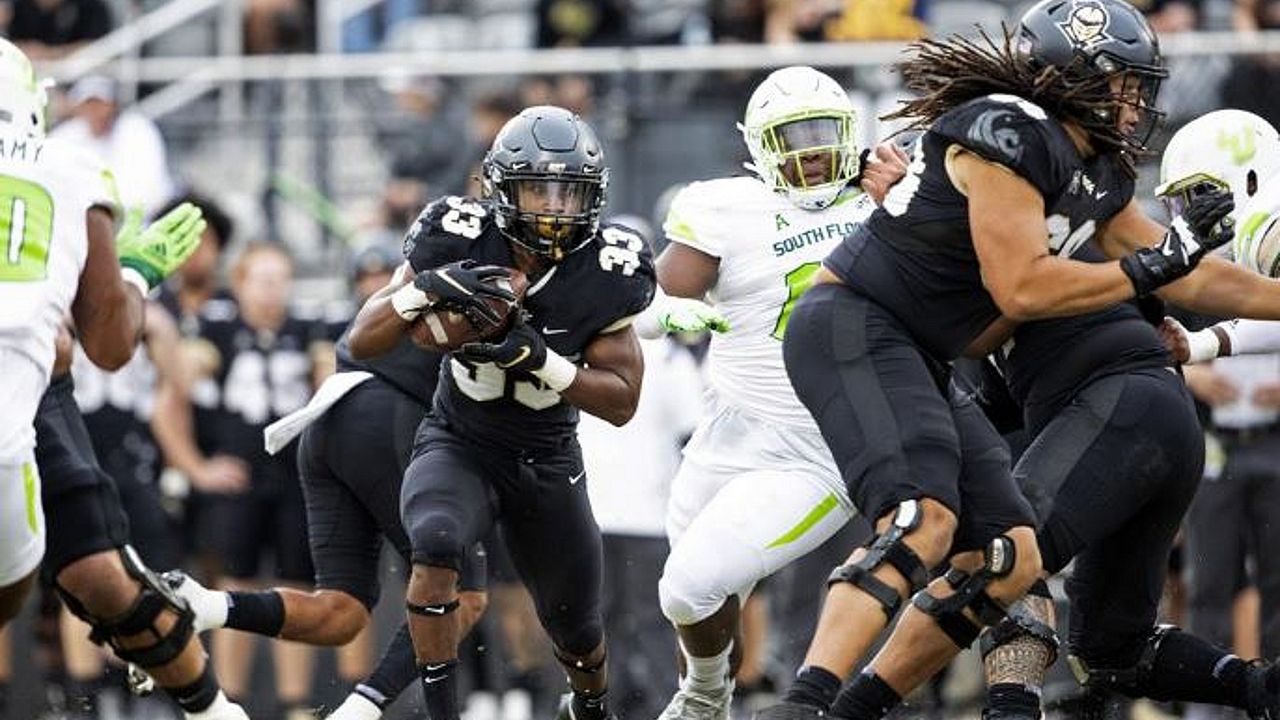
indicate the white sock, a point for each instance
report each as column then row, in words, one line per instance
column 356, row 707
column 707, row 674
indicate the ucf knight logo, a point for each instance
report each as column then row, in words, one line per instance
column 1086, row 25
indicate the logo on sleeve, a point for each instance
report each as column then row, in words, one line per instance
column 986, row 132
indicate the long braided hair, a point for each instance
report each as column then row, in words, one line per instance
column 947, row 73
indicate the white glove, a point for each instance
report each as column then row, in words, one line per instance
column 210, row 606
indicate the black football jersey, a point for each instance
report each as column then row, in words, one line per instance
column 593, row 289
column 1048, row 361
column 261, row 377
column 915, row 254
column 409, row 368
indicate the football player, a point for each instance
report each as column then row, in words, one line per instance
column 1240, row 151
column 1022, row 143
column 357, row 438
column 500, row 443
column 58, row 212
column 757, row 487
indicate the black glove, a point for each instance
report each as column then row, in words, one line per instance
column 522, row 349
column 463, row 287
column 1203, row 226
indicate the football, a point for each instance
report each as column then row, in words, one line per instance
column 446, row 330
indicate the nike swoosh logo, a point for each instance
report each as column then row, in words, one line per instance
column 434, row 610
column 553, row 331
column 573, row 479
column 432, row 668
column 524, row 353
column 1101, row 194
column 430, row 680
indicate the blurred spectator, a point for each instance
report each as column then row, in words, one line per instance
column 1171, row 16
column 581, row 23
column 1250, row 73
column 424, row 133
column 365, row 30
column 751, row 21
column 629, row 490
column 489, row 113
column 126, row 140
column 576, row 92
column 278, row 26
column 50, row 29
column 262, row 372
column 852, row 20
column 663, row 22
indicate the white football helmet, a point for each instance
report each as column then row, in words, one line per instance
column 1231, row 148
column 23, row 96
column 800, row 128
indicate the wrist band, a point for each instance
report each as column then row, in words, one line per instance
column 134, row 278
column 1202, row 345
column 558, row 373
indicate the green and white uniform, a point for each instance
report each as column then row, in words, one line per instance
column 757, row 487
column 45, row 190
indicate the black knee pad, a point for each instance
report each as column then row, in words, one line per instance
column 436, row 539
column 155, row 598
column 970, row 592
column 1019, row 623
column 1134, row 681
column 575, row 637
column 888, row 548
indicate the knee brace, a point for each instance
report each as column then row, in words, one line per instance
column 970, row 593
column 1133, row 681
column 156, row 597
column 888, row 548
column 1020, row 623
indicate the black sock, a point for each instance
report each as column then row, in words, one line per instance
column 815, row 687
column 82, row 695
column 590, row 706
column 395, row 671
column 256, row 612
column 867, row 698
column 440, row 689
column 4, row 698
column 1013, row 700
column 199, row 695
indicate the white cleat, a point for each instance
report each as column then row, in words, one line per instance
column 210, row 606
column 693, row 704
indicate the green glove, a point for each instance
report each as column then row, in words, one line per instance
column 154, row 253
column 680, row 315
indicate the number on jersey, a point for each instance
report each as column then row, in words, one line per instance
column 486, row 382
column 26, row 229
column 465, row 218
column 798, row 280
column 621, row 251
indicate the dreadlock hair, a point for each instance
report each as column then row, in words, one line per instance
column 948, row 73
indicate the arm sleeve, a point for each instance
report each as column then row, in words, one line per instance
column 1252, row 337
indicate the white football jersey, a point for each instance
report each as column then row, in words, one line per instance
column 769, row 251
column 46, row 187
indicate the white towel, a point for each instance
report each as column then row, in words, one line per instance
column 283, row 431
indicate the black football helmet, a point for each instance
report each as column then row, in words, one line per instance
column 1088, row 39
column 546, row 174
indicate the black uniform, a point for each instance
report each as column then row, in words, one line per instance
column 261, row 377
column 117, row 411
column 81, row 504
column 913, row 300
column 503, row 446
column 1115, row 460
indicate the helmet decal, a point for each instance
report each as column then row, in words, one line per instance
column 1086, row 24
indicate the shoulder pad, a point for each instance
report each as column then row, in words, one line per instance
column 692, row 218
column 445, row 230
column 1013, row 132
column 625, row 258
